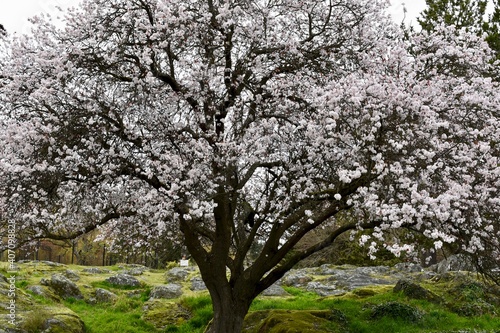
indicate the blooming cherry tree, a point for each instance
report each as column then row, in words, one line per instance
column 243, row 122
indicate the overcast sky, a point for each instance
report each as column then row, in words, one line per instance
column 14, row 14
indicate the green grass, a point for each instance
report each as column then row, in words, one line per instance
column 41, row 299
column 111, row 287
column 22, row 284
column 202, row 313
column 301, row 300
column 452, row 314
column 358, row 312
column 123, row 317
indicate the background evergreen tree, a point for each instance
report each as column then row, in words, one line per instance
column 460, row 13
column 468, row 14
column 492, row 29
column 471, row 15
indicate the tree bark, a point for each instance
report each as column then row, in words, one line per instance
column 230, row 299
column 230, row 305
column 229, row 311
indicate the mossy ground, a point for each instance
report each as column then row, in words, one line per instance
column 291, row 321
column 467, row 306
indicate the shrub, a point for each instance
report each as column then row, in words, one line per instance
column 171, row 264
column 472, row 291
column 35, row 321
column 474, row 309
column 396, row 310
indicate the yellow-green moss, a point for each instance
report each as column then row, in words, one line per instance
column 162, row 313
column 60, row 320
column 369, row 291
column 286, row 321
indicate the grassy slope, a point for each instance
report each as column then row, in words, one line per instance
column 352, row 312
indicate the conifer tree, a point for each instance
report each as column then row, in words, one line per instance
column 468, row 14
column 460, row 13
column 492, row 28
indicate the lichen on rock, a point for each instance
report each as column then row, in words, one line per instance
column 123, row 280
column 168, row 291
column 63, row 287
column 105, row 296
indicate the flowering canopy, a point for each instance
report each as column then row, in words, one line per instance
column 239, row 121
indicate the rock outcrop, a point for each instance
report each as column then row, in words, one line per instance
column 162, row 313
column 168, row 291
column 63, row 286
column 415, row 291
column 123, row 280
column 275, row 290
column 197, row 284
column 31, row 316
column 72, row 275
column 105, row 296
column 178, row 274
column 96, row 270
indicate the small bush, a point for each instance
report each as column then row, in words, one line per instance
column 474, row 309
column 396, row 310
column 72, row 300
column 35, row 321
column 22, row 284
column 127, row 304
column 471, row 292
column 171, row 264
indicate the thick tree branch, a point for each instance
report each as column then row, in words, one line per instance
column 75, row 234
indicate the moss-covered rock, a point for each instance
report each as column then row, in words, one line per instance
column 56, row 319
column 63, row 286
column 40, row 310
column 197, row 284
column 275, row 290
column 105, row 296
column 44, row 292
column 415, row 291
column 123, row 280
column 14, row 303
column 168, row 291
column 72, row 275
column 31, row 316
column 178, row 274
column 162, row 313
column 96, row 270
column 364, row 292
column 286, row 321
column 296, row 278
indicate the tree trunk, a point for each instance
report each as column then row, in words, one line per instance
column 229, row 315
